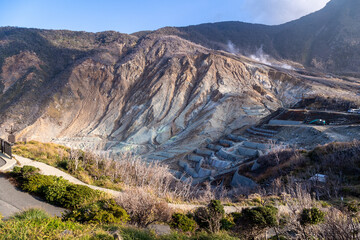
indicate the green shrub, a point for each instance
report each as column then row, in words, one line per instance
column 62, row 164
column 28, row 171
column 36, row 224
column 353, row 206
column 254, row 220
column 32, row 215
column 37, row 182
column 22, row 173
column 210, row 217
column 55, row 192
column 16, row 170
column 215, row 206
column 132, row 233
column 311, row 216
column 182, row 222
column 236, row 216
column 104, row 211
column 102, row 236
column 201, row 216
column 227, row 223
column 78, row 195
column 284, row 219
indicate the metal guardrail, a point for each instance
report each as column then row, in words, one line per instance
column 5, row 147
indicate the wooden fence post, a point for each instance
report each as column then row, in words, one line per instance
column 5, row 147
column 1, row 145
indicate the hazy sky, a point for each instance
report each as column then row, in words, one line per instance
column 129, row 16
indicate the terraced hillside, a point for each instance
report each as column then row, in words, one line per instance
column 285, row 129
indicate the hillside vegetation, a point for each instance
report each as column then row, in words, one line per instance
column 125, row 172
column 338, row 161
column 36, row 224
column 286, row 205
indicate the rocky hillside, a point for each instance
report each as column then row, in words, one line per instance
column 327, row 40
column 155, row 91
column 110, row 91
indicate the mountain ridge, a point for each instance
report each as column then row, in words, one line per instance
column 144, row 92
column 304, row 40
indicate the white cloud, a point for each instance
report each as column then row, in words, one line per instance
column 280, row 11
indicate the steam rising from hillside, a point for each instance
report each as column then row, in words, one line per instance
column 262, row 57
column 259, row 56
column 232, row 48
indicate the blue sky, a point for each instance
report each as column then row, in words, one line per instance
column 136, row 15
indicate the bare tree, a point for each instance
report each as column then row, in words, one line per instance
column 143, row 207
column 74, row 158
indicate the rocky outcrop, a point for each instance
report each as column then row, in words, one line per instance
column 159, row 95
column 241, row 181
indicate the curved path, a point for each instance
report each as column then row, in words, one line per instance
column 49, row 170
column 2, row 162
column 12, row 200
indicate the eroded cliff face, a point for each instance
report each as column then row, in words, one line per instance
column 19, row 66
column 156, row 93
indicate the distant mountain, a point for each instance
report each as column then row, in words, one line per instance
column 169, row 89
column 328, row 40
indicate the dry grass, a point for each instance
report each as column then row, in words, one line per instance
column 124, row 172
column 155, row 177
column 48, row 153
column 143, row 207
column 277, row 163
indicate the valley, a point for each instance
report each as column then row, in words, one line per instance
column 221, row 130
column 168, row 100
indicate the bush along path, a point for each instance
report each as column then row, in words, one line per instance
column 13, row 200
column 89, row 206
column 46, row 169
column 93, row 207
column 49, row 170
column 85, row 204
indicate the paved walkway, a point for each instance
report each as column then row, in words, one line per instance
column 6, row 163
column 2, row 162
column 12, row 200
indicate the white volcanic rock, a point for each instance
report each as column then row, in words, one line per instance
column 156, row 94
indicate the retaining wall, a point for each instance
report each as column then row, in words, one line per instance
column 284, row 122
